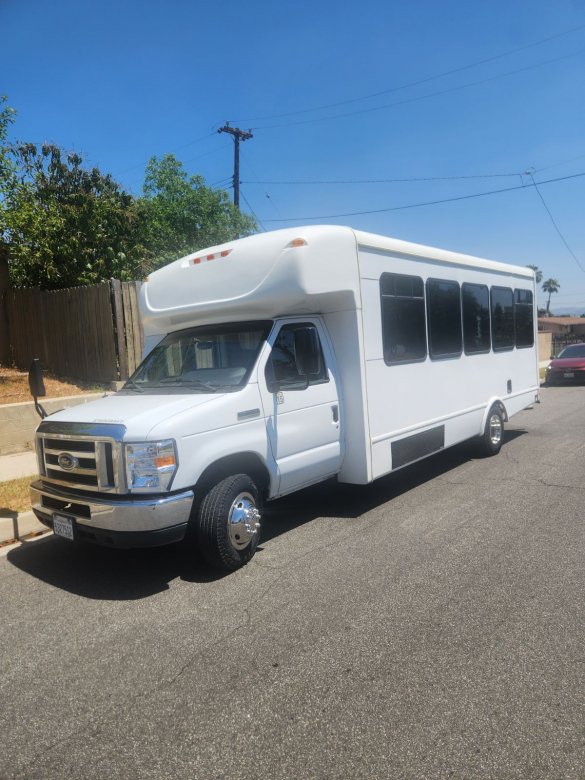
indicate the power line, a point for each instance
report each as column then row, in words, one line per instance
column 266, row 193
column 256, row 217
column 386, row 181
column 173, row 151
column 556, row 165
column 418, row 82
column 426, row 203
column 556, row 227
column 420, row 97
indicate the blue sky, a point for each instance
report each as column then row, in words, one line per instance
column 121, row 81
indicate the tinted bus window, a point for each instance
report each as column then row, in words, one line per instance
column 502, row 305
column 403, row 318
column 476, row 318
column 444, row 314
column 524, row 318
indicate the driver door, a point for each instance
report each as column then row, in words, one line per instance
column 302, row 411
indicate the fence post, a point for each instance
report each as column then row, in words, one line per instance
column 118, row 314
column 4, row 325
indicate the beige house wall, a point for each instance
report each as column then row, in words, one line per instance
column 544, row 346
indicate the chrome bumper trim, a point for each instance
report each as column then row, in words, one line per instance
column 143, row 514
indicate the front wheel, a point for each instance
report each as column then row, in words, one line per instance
column 228, row 522
column 493, row 435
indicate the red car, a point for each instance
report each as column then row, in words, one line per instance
column 568, row 366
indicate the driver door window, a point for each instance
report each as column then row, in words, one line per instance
column 282, row 370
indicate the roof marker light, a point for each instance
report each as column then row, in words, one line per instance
column 297, row 242
column 208, row 258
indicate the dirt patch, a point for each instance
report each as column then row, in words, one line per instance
column 14, row 495
column 14, row 386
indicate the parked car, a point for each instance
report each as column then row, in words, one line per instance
column 568, row 366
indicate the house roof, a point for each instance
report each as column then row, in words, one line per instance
column 561, row 320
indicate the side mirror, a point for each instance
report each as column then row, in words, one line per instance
column 307, row 351
column 37, row 385
column 35, row 379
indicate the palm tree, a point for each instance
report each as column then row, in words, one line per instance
column 550, row 286
column 537, row 273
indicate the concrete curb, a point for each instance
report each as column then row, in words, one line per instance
column 20, row 525
column 19, row 421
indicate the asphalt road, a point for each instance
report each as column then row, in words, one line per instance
column 428, row 626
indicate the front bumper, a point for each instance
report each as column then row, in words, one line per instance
column 122, row 522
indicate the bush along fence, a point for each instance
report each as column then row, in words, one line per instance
column 88, row 333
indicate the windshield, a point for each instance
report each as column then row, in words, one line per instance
column 208, row 359
column 574, row 351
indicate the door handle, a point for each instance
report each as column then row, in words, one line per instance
column 335, row 412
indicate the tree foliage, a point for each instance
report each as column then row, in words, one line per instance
column 182, row 214
column 66, row 224
column 550, row 286
column 537, row 273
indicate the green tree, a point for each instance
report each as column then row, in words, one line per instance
column 550, row 286
column 537, row 273
column 7, row 167
column 181, row 214
column 67, row 225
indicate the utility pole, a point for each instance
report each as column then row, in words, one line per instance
column 239, row 135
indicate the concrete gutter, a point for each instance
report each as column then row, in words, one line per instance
column 19, row 526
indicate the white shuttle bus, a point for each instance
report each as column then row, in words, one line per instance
column 277, row 361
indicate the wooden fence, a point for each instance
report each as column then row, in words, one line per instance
column 88, row 333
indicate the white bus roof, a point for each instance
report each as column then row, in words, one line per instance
column 296, row 271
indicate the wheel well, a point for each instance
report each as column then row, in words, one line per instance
column 501, row 409
column 240, row 463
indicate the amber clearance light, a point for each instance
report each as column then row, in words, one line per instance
column 208, row 258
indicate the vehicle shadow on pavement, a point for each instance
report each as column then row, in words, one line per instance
column 100, row 573
column 331, row 499
column 97, row 572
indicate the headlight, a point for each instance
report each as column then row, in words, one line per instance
column 150, row 465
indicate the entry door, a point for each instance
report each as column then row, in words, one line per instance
column 302, row 413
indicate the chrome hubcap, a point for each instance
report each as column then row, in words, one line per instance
column 243, row 521
column 495, row 429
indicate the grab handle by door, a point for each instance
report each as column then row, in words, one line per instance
column 335, row 412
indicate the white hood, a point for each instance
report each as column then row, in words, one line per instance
column 139, row 413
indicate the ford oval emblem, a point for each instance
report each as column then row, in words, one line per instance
column 67, row 462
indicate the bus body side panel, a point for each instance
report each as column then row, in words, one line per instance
column 345, row 331
column 418, row 408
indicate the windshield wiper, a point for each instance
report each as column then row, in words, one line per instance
column 177, row 380
column 131, row 385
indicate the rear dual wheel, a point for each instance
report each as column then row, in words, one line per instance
column 228, row 522
column 493, row 435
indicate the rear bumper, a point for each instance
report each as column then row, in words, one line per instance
column 135, row 522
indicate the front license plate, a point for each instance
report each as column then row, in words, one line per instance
column 569, row 375
column 63, row 526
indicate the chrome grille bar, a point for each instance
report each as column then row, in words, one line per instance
column 83, row 462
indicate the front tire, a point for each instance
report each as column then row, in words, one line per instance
column 228, row 522
column 493, row 435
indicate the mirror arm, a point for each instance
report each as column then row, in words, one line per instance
column 39, row 409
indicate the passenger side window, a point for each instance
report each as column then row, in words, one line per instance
column 444, row 314
column 404, row 335
column 502, row 304
column 476, row 318
column 282, row 368
column 524, row 318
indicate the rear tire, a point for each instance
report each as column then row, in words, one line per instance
column 228, row 522
column 493, row 435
